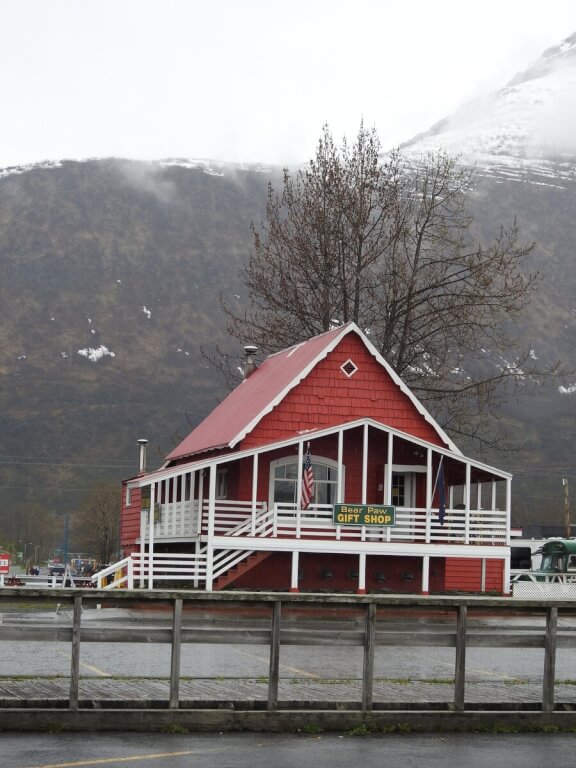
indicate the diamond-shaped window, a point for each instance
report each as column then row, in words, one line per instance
column 349, row 368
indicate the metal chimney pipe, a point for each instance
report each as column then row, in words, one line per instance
column 249, row 364
column 142, row 443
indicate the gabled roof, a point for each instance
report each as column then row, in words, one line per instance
column 238, row 414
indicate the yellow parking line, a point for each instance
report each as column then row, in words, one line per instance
column 108, row 760
column 298, row 671
column 89, row 667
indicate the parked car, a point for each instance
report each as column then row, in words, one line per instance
column 57, row 569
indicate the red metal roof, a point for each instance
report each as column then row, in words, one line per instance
column 238, row 413
column 255, row 396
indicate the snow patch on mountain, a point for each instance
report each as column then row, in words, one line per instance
column 18, row 169
column 94, row 355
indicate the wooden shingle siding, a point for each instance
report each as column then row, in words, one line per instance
column 130, row 525
column 465, row 574
column 327, row 397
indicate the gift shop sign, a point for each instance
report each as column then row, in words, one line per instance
column 363, row 514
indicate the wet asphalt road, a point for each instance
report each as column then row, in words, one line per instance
column 287, row 751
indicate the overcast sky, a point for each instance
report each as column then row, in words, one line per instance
column 250, row 80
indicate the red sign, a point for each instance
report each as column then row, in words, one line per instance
column 4, row 563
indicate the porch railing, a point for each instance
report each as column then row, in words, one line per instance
column 412, row 524
column 128, row 573
column 245, row 518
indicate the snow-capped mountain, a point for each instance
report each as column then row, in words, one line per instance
column 527, row 127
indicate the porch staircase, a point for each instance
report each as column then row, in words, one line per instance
column 230, row 576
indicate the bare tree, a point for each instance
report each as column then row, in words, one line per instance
column 98, row 522
column 388, row 245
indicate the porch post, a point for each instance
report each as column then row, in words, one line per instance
column 211, row 516
column 300, row 472
column 467, row 504
column 508, row 508
column 426, row 575
column 294, row 572
column 506, row 589
column 388, row 478
column 142, row 566
column 361, row 574
column 364, row 471
column 364, row 463
column 254, row 492
column 429, row 499
column 339, row 493
column 151, row 536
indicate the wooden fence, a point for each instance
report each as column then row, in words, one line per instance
column 277, row 620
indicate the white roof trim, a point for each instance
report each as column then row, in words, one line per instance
column 346, row 329
column 165, row 473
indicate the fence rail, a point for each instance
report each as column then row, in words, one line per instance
column 278, row 620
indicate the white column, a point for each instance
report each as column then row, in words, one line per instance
column 429, row 498
column 506, row 585
column 388, row 479
column 254, row 492
column 365, row 464
column 143, row 516
column 294, row 572
column 426, row 574
column 299, row 479
column 151, row 536
column 340, row 489
column 362, row 573
column 508, row 508
column 467, row 504
column 211, row 521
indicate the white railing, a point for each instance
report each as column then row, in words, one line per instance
column 411, row 524
column 165, row 567
column 225, row 559
column 245, row 518
column 239, row 518
column 177, row 519
column 543, row 586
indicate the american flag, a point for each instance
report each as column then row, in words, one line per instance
column 307, row 481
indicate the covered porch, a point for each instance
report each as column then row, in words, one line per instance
column 200, row 519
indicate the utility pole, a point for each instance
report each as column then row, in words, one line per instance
column 567, row 531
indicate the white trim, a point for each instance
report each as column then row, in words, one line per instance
column 317, row 461
column 349, row 364
column 350, row 327
column 408, row 549
column 143, row 480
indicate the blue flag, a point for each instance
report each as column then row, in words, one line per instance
column 441, row 492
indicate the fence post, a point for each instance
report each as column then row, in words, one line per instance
column 274, row 670
column 368, row 664
column 175, row 658
column 460, row 670
column 75, row 654
column 549, row 660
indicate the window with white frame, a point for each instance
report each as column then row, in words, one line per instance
column 222, row 483
column 403, row 490
column 284, row 480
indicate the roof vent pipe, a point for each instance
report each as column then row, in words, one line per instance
column 249, row 364
column 142, row 443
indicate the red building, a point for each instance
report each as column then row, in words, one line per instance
column 394, row 506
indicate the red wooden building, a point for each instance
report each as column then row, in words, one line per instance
column 225, row 510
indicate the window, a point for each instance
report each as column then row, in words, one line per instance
column 221, row 483
column 284, row 481
column 398, row 490
column 349, row 368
